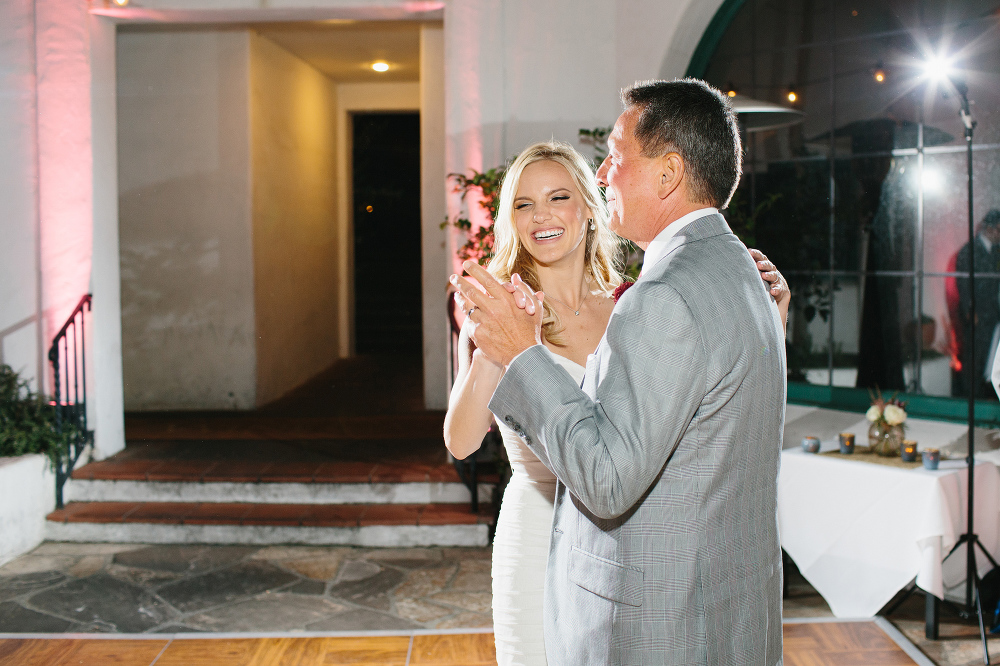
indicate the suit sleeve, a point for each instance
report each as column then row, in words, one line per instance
column 609, row 450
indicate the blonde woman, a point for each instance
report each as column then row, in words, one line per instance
column 551, row 229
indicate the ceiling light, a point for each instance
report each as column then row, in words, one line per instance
column 380, row 66
column 121, row 3
column 792, row 97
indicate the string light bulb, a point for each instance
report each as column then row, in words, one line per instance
column 792, row 97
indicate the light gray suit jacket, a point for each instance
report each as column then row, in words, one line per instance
column 664, row 541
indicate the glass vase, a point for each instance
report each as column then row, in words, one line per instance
column 884, row 439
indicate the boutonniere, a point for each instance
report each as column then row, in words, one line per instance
column 622, row 288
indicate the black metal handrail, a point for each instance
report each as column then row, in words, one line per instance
column 69, row 391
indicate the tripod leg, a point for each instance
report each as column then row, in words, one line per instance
column 973, row 572
column 982, row 627
column 986, row 553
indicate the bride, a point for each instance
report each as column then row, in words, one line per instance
column 551, row 229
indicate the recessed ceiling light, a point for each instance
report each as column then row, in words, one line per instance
column 121, row 3
column 380, row 66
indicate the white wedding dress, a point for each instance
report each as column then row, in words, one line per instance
column 521, row 549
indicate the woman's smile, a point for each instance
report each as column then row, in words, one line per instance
column 547, row 234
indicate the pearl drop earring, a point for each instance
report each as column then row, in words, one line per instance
column 592, row 225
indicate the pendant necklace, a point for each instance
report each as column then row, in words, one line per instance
column 577, row 311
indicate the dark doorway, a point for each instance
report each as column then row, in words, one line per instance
column 387, row 233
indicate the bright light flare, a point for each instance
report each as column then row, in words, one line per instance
column 792, row 97
column 938, row 68
column 932, row 181
column 380, row 66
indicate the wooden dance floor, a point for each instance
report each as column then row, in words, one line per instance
column 806, row 644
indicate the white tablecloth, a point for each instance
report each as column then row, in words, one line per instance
column 860, row 532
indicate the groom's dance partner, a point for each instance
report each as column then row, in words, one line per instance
column 664, row 546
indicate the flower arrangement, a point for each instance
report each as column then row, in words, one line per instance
column 888, row 419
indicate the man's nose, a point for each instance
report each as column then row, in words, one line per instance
column 602, row 173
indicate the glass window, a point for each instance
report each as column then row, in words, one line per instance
column 863, row 204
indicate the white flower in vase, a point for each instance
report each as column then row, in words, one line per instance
column 874, row 413
column 894, row 415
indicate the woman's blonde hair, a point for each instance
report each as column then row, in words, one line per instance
column 603, row 256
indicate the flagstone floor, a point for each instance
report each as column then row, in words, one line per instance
column 127, row 588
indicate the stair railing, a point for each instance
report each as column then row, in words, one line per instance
column 69, row 391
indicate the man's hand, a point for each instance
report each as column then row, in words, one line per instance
column 500, row 328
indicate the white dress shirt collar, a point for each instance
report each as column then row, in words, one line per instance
column 658, row 246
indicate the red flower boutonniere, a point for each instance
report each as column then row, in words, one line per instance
column 621, row 289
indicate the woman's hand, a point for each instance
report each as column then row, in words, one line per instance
column 776, row 283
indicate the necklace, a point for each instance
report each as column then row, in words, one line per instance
column 564, row 304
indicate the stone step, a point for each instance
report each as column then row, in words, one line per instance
column 371, row 525
column 169, row 473
column 265, row 492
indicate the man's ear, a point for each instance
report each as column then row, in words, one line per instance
column 671, row 174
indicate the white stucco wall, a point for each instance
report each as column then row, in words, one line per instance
column 185, row 220
column 293, row 110
column 519, row 71
column 434, row 240
column 19, row 250
column 27, row 495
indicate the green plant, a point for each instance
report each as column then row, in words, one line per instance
column 478, row 244
column 598, row 138
column 28, row 421
column 742, row 220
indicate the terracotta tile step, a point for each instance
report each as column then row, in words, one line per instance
column 209, row 471
column 304, row 515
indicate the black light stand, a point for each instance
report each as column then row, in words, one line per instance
column 973, row 605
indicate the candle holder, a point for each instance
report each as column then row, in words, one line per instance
column 847, row 443
column 931, row 458
column 810, row 444
column 908, row 450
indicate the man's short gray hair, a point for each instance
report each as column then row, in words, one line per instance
column 695, row 120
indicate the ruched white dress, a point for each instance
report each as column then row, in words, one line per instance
column 521, row 549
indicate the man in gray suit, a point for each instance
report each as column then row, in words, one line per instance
column 664, row 542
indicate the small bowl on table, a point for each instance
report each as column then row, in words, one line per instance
column 810, row 444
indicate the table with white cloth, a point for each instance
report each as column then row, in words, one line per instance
column 860, row 532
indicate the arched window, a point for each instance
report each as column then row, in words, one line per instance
column 862, row 204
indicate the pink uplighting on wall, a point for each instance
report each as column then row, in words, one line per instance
column 64, row 158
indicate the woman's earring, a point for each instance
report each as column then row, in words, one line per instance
column 592, row 225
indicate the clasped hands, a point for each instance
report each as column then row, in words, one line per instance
column 506, row 318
